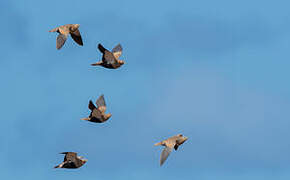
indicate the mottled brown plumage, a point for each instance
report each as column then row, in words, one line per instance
column 98, row 114
column 110, row 59
column 170, row 143
column 64, row 31
column 71, row 161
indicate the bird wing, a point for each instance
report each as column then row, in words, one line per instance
column 76, row 35
column 117, row 51
column 101, row 101
column 108, row 56
column 91, row 105
column 101, row 48
column 96, row 113
column 69, row 156
column 61, row 38
column 165, row 152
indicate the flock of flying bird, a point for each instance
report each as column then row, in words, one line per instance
column 109, row 60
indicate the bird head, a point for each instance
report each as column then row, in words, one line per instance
column 82, row 159
column 121, row 62
column 76, row 26
column 181, row 138
column 107, row 116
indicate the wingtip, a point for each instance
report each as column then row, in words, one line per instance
column 101, row 48
column 63, row 152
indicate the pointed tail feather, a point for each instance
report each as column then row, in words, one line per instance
column 96, row 64
column 59, row 166
column 53, row 30
column 158, row 144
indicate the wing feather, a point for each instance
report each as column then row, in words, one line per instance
column 101, row 48
column 164, row 155
column 91, row 105
column 76, row 35
column 117, row 51
column 101, row 101
column 61, row 38
column 69, row 156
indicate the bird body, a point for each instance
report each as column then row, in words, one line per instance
column 110, row 59
column 71, row 161
column 64, row 31
column 170, row 143
column 98, row 114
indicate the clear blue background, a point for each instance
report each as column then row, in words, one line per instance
column 216, row 71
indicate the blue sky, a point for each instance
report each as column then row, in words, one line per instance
column 216, row 71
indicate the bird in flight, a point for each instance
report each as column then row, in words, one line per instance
column 110, row 59
column 64, row 31
column 71, row 161
column 98, row 114
column 170, row 143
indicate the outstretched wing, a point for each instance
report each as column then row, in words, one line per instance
column 108, row 57
column 91, row 105
column 101, row 48
column 76, row 35
column 61, row 38
column 117, row 51
column 165, row 153
column 96, row 113
column 69, row 156
column 101, row 101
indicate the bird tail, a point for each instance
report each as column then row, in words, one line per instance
column 158, row 144
column 53, row 30
column 59, row 166
column 96, row 64
column 101, row 48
